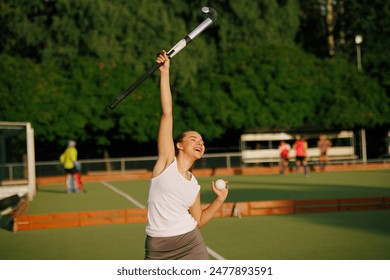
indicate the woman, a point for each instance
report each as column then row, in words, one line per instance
column 300, row 147
column 174, row 207
column 284, row 151
column 323, row 144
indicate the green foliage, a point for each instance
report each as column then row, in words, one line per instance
column 370, row 19
column 350, row 99
column 64, row 61
column 33, row 93
column 258, row 22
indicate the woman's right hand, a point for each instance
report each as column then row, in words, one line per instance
column 163, row 58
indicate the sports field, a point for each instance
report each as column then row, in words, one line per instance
column 321, row 236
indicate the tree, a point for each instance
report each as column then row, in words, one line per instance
column 367, row 18
column 63, row 62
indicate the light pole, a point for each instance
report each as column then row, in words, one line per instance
column 358, row 42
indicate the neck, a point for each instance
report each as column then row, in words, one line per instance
column 184, row 165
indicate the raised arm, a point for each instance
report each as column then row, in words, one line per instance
column 165, row 143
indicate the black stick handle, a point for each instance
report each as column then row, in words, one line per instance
column 131, row 88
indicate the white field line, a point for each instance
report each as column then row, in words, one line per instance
column 214, row 254
column 125, row 195
column 140, row 205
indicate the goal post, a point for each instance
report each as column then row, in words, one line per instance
column 17, row 159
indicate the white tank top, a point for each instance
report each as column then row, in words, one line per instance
column 170, row 197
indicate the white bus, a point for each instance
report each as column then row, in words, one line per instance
column 263, row 147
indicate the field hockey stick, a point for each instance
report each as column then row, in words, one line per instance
column 171, row 53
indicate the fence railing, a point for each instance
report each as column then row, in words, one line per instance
column 16, row 171
column 52, row 168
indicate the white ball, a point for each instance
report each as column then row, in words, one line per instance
column 220, row 184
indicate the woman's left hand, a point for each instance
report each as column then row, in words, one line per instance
column 221, row 194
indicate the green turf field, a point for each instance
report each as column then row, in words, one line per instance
column 342, row 235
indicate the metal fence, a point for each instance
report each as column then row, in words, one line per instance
column 16, row 171
column 13, row 171
column 53, row 168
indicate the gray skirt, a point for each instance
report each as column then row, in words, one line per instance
column 188, row 246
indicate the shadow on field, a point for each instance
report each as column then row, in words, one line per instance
column 52, row 191
column 277, row 191
column 369, row 221
column 317, row 186
column 297, row 187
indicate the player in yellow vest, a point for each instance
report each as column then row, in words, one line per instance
column 68, row 159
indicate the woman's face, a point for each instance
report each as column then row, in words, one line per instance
column 192, row 144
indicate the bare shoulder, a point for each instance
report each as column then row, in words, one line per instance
column 162, row 163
